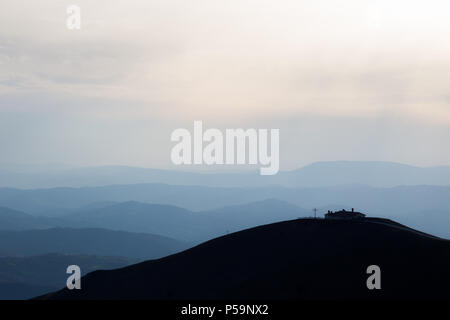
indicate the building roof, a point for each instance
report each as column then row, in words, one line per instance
column 345, row 214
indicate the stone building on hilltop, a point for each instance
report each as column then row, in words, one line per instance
column 344, row 214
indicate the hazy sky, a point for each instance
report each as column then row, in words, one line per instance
column 347, row 80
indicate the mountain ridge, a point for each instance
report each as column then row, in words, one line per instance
column 94, row 241
column 316, row 174
column 299, row 259
column 171, row 221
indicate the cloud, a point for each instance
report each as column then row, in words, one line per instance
column 229, row 63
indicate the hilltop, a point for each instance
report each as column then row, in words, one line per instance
column 297, row 259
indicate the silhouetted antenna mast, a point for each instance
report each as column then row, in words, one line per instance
column 315, row 213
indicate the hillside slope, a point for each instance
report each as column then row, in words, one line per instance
column 298, row 259
column 26, row 277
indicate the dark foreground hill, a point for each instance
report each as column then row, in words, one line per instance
column 298, row 259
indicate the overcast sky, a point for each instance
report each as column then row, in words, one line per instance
column 347, row 80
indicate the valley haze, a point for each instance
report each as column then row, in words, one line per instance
column 317, row 174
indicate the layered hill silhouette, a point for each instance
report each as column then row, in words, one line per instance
column 318, row 174
column 179, row 223
column 165, row 220
column 90, row 241
column 16, row 220
column 297, row 259
column 422, row 206
column 62, row 201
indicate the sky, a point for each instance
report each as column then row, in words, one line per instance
column 354, row 80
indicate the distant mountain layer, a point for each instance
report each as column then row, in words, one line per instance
column 183, row 224
column 166, row 220
column 63, row 201
column 424, row 207
column 88, row 241
column 319, row 174
column 15, row 220
column 26, row 277
column 299, row 259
